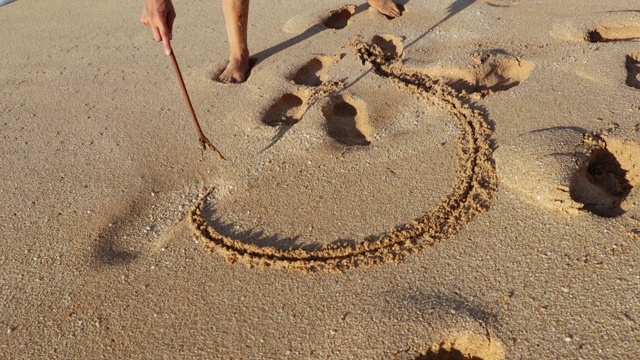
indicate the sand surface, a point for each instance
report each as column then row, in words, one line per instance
column 460, row 182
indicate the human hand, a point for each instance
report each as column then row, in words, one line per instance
column 158, row 15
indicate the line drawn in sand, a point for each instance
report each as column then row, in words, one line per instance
column 470, row 195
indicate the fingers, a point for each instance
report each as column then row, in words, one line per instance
column 156, row 33
column 165, row 37
column 159, row 15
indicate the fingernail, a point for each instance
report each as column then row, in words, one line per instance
column 167, row 51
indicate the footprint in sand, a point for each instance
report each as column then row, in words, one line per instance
column 489, row 72
column 392, row 46
column 600, row 184
column 541, row 164
column 288, row 110
column 465, row 347
column 633, row 70
column 339, row 19
column 612, row 33
column 347, row 121
column 598, row 28
column 345, row 116
column 566, row 169
column 318, row 21
column 314, row 72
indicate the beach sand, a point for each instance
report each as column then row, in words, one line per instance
column 458, row 183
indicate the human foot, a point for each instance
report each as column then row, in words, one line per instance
column 386, row 7
column 236, row 72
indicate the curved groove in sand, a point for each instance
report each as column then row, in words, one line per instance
column 470, row 196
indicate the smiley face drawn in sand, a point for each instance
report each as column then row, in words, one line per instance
column 350, row 125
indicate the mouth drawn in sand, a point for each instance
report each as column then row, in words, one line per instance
column 491, row 71
column 633, row 70
column 469, row 196
column 339, row 19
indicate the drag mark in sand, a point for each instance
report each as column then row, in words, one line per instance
column 470, row 196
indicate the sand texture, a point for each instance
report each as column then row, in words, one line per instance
column 457, row 183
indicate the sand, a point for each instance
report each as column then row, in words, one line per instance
column 460, row 182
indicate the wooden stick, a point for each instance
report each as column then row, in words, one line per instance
column 204, row 142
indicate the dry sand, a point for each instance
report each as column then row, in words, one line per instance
column 460, row 182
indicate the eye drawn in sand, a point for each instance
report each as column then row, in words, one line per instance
column 470, row 194
column 314, row 72
column 339, row 19
column 491, row 71
column 465, row 347
column 288, row 110
column 347, row 121
column 633, row 69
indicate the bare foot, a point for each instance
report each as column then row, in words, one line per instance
column 386, row 7
column 236, row 71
